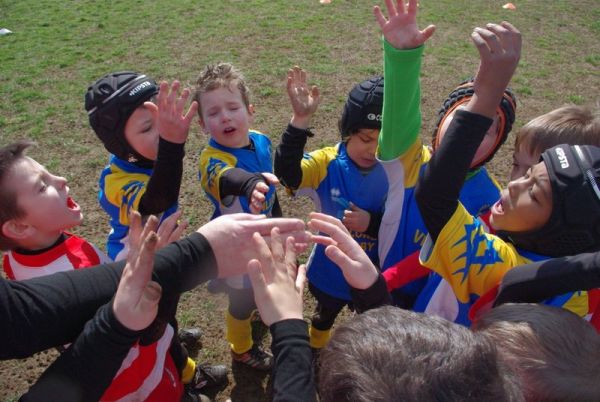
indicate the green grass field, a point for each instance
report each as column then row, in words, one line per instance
column 58, row 48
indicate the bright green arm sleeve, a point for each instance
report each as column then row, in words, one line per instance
column 401, row 101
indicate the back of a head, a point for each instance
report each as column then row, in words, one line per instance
column 110, row 101
column 363, row 108
column 220, row 75
column 460, row 96
column 573, row 125
column 574, row 223
column 554, row 353
column 390, row 354
column 9, row 207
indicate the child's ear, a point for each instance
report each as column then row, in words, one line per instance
column 251, row 109
column 17, row 230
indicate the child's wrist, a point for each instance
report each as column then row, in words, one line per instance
column 301, row 122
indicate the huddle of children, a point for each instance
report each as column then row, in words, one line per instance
column 436, row 224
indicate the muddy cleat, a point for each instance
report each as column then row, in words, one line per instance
column 207, row 376
column 256, row 358
column 190, row 337
column 190, row 397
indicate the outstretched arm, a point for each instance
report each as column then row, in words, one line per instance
column 278, row 288
column 289, row 153
column 87, row 367
column 437, row 193
column 403, row 46
column 162, row 189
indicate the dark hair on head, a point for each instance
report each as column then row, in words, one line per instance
column 9, row 208
column 220, row 75
column 573, row 125
column 390, row 354
column 553, row 352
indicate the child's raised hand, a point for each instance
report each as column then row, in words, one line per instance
column 401, row 30
column 344, row 251
column 499, row 47
column 304, row 101
column 171, row 229
column 277, row 282
column 136, row 301
column 356, row 219
column 260, row 190
column 173, row 125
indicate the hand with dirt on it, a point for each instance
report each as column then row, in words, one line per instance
column 135, row 304
column 304, row 101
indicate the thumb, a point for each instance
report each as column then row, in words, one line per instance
column 354, row 207
column 270, row 178
column 152, row 107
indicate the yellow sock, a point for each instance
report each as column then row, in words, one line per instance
column 318, row 338
column 187, row 375
column 239, row 333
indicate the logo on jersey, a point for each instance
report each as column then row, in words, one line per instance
column 473, row 238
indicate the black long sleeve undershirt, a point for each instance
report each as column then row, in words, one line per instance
column 162, row 190
column 293, row 375
column 288, row 156
column 542, row 280
column 44, row 312
column 438, row 189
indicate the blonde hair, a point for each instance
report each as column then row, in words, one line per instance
column 573, row 125
column 554, row 353
column 220, row 75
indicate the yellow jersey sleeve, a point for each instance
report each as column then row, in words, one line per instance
column 213, row 163
column 314, row 166
column 125, row 190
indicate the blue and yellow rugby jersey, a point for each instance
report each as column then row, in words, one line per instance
column 472, row 262
column 122, row 185
column 215, row 160
column 333, row 181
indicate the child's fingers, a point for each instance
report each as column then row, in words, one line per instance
column 315, row 93
column 181, row 101
column 290, row 254
column 324, row 240
column 428, row 32
column 277, row 245
column 191, row 113
column 301, row 278
column 412, row 6
column 163, row 93
column 179, row 230
column 261, row 188
column 339, row 258
column 265, row 257
column 152, row 107
column 173, row 93
column 381, row 20
column 258, row 196
column 480, row 44
column 135, row 231
column 257, row 279
column 326, row 218
column 491, row 40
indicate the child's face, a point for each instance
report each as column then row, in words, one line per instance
column 523, row 159
column 487, row 144
column 141, row 132
column 225, row 117
column 43, row 197
column 361, row 147
column 526, row 204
